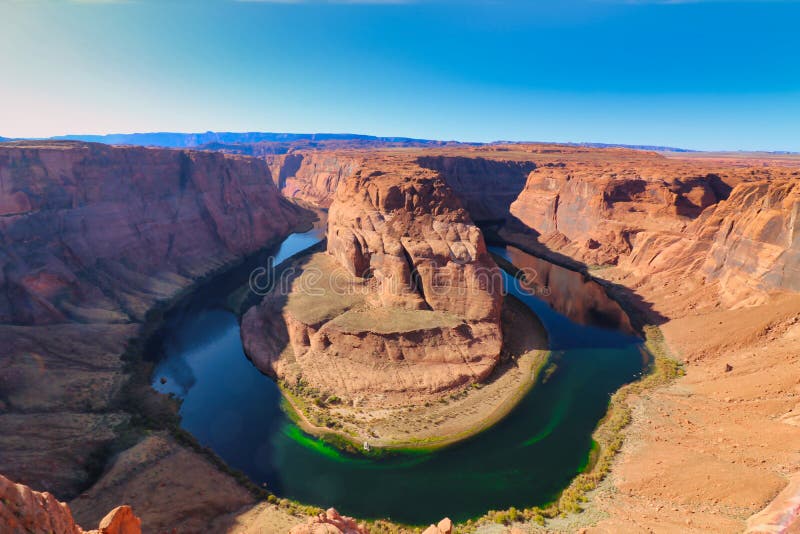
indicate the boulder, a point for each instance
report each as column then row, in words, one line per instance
column 330, row 522
column 23, row 510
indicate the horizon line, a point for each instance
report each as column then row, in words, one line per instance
column 607, row 144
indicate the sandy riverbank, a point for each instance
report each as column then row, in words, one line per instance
column 715, row 450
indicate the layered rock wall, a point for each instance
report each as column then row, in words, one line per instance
column 93, row 233
column 736, row 225
column 421, row 314
column 758, row 238
column 594, row 210
column 313, row 176
column 486, row 187
column 93, row 237
column 410, row 232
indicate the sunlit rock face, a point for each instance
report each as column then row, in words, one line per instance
column 422, row 312
column 93, row 237
column 757, row 244
column 720, row 222
column 313, row 177
column 594, row 210
column 25, row 511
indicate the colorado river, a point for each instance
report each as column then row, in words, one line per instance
column 524, row 460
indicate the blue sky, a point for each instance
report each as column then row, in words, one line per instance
column 698, row 74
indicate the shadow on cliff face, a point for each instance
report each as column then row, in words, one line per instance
column 698, row 193
column 640, row 312
column 512, row 231
column 265, row 304
column 568, row 292
column 485, row 187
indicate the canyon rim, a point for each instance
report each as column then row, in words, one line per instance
column 733, row 265
column 550, row 284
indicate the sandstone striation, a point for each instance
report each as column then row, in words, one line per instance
column 313, row 176
column 594, row 210
column 720, row 278
column 757, row 245
column 485, row 185
column 407, row 304
column 648, row 214
column 96, row 234
column 93, row 238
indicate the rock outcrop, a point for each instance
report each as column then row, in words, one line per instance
column 732, row 224
column 758, row 239
column 408, row 302
column 25, row 511
column 330, row 522
column 593, row 210
column 409, row 231
column 782, row 514
column 486, row 186
column 93, row 237
column 93, row 233
column 746, row 245
column 445, row 526
column 313, row 176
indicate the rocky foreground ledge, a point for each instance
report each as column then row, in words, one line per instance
column 25, row 511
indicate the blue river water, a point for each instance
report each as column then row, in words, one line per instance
column 526, row 459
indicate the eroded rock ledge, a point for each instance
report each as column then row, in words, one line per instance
column 404, row 304
column 23, row 510
column 93, row 239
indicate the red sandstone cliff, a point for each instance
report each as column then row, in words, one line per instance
column 313, row 176
column 593, row 210
column 422, row 312
column 660, row 221
column 758, row 241
column 93, row 233
column 485, row 186
column 408, row 223
column 92, row 238
column 735, row 225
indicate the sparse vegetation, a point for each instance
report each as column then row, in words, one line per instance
column 156, row 412
column 608, row 440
